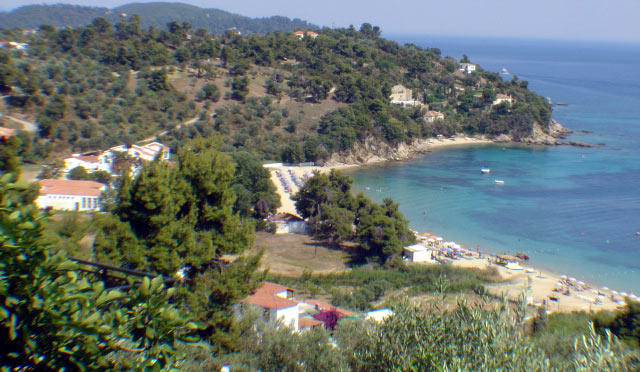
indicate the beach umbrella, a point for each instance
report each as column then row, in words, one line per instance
column 572, row 279
column 614, row 292
column 563, row 277
column 431, row 240
column 605, row 288
column 623, row 294
column 581, row 282
column 620, row 302
column 558, row 284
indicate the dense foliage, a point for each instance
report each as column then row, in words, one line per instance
column 53, row 318
column 275, row 95
column 334, row 213
column 181, row 217
column 215, row 21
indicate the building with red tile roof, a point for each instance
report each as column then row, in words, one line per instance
column 276, row 302
column 70, row 195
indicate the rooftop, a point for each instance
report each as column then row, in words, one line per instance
column 70, row 187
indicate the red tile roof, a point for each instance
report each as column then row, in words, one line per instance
column 7, row 132
column 70, row 187
column 266, row 297
column 304, row 322
column 324, row 306
column 269, row 301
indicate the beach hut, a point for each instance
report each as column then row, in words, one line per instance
column 418, row 253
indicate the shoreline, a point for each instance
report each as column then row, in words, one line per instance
column 537, row 286
column 419, row 147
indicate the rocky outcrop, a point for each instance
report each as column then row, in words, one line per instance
column 373, row 150
column 537, row 136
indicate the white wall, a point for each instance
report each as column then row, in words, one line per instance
column 68, row 202
column 288, row 316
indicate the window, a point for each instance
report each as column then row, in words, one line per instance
column 84, row 202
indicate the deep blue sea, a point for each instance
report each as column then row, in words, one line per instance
column 575, row 211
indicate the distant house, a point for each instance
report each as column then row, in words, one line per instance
column 467, row 67
column 287, row 223
column 91, row 163
column 502, row 98
column 418, row 253
column 276, row 302
column 302, row 34
column 104, row 161
column 68, row 195
column 6, row 133
column 432, row 116
column 147, row 152
column 401, row 95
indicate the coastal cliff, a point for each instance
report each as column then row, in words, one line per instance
column 373, row 151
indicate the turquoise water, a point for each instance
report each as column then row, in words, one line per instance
column 573, row 210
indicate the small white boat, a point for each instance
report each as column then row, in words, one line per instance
column 498, row 182
column 485, row 170
column 505, row 71
column 530, row 270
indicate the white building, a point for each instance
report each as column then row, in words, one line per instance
column 91, row 163
column 418, row 253
column 502, row 98
column 467, row 67
column 287, row 223
column 68, row 195
column 277, row 303
column 432, row 116
column 401, row 95
column 147, row 152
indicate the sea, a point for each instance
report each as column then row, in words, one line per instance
column 574, row 211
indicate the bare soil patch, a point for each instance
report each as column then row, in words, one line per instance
column 292, row 254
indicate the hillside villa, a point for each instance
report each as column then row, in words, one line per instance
column 502, row 98
column 104, row 161
column 302, row 34
column 467, row 67
column 278, row 304
column 432, row 116
column 403, row 96
column 69, row 195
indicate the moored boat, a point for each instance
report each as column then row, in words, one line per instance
column 498, row 182
column 485, row 170
column 522, row 256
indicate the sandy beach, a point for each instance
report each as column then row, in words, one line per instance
column 284, row 176
column 555, row 293
column 540, row 287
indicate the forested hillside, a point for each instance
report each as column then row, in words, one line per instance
column 215, row 21
column 280, row 96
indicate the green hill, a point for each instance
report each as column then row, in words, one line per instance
column 276, row 95
column 151, row 14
